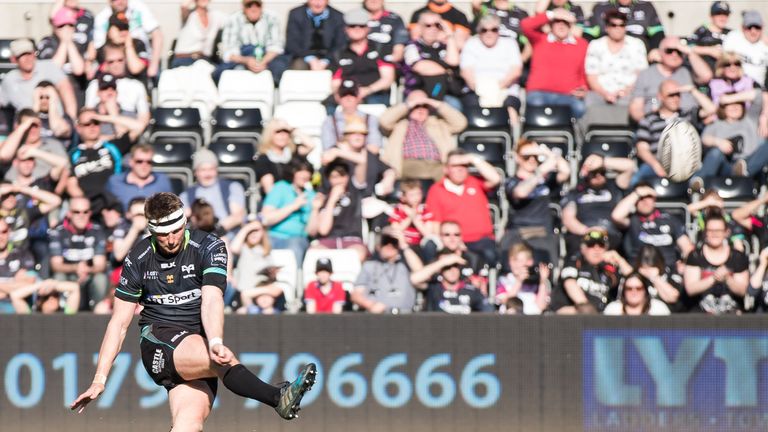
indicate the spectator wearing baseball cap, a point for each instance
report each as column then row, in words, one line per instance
column 114, row 122
column 324, row 295
column 252, row 40
column 61, row 47
column 750, row 45
column 361, row 62
column 707, row 40
column 142, row 25
column 347, row 96
column 18, row 86
column 227, row 197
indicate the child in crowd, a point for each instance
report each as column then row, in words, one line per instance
column 324, row 295
column 411, row 216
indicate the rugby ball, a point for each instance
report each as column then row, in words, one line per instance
column 679, row 150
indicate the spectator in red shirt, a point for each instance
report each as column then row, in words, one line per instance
column 324, row 295
column 411, row 216
column 557, row 65
column 462, row 198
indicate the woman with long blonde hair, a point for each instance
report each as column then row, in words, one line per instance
column 279, row 143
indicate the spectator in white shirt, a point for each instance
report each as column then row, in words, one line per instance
column 750, row 46
column 200, row 24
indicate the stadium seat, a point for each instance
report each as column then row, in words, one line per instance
column 178, row 123
column 307, row 117
column 245, row 89
column 235, row 150
column 287, row 276
column 304, row 86
column 181, row 177
column 488, row 134
column 171, row 150
column 188, row 87
column 733, row 189
column 607, row 146
column 5, row 57
column 346, row 267
column 371, row 109
column 236, row 122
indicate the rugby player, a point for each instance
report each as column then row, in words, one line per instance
column 179, row 275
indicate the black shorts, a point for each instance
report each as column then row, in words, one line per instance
column 158, row 342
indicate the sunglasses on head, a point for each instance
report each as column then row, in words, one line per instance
column 670, row 51
column 489, row 30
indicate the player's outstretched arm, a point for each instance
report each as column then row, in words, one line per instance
column 113, row 339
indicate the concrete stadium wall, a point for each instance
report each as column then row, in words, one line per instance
column 30, row 18
column 419, row 373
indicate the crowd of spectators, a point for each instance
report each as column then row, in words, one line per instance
column 395, row 188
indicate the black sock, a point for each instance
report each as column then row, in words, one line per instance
column 242, row 382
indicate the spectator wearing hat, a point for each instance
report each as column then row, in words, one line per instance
column 387, row 32
column 590, row 280
column 590, row 203
column 707, row 40
column 384, row 282
column 348, row 99
column 491, row 66
column 643, row 223
column 131, row 97
column 252, row 39
column 315, row 31
column 136, row 56
column 61, row 47
column 678, row 63
column 421, row 132
column 359, row 61
column 336, row 218
column 379, row 178
column 78, row 252
column 509, row 15
column 18, row 86
column 226, row 196
column 280, row 143
column 539, row 173
column 140, row 180
column 452, row 20
column 750, row 45
column 287, row 207
column 142, row 25
column 115, row 124
column 643, row 23
column 431, row 61
column 83, row 31
column 94, row 160
column 199, row 26
column 323, row 295
column 612, row 65
column 447, row 288
column 557, row 63
column 26, row 141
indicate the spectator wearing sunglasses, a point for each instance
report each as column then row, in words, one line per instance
column 635, row 299
column 359, row 61
column 452, row 20
column 643, row 23
column 279, row 144
column 509, row 15
column 131, row 95
column 539, row 174
column 670, row 97
column 730, row 80
column 672, row 66
column 589, row 205
column 750, row 45
column 707, row 40
column 94, row 160
column 590, row 280
column 448, row 290
column 54, row 122
column 140, row 181
column 491, row 67
column 135, row 53
column 613, row 63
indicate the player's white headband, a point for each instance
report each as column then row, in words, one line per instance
column 169, row 223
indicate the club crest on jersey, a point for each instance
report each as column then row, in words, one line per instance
column 188, row 268
column 169, row 278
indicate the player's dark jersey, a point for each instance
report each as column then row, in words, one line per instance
column 170, row 288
